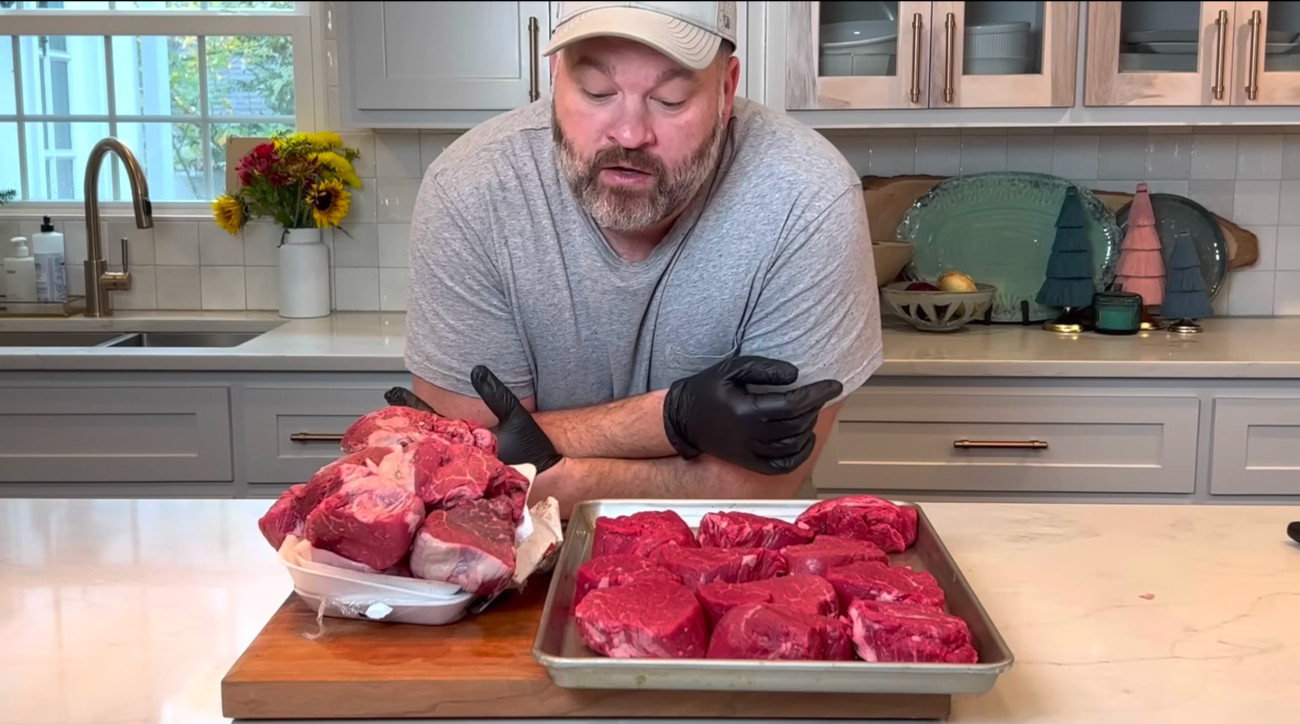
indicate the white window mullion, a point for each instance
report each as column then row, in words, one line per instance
column 111, row 95
column 205, row 111
column 23, row 191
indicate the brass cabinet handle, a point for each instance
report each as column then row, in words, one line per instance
column 950, row 42
column 917, row 25
column 1252, row 66
column 1221, row 42
column 316, row 437
column 533, row 92
column 1001, row 444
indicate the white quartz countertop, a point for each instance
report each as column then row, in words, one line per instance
column 1265, row 347
column 131, row 611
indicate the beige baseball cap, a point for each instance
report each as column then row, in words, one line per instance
column 687, row 32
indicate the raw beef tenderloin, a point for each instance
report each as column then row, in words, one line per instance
column 875, row 581
column 827, row 552
column 449, row 473
column 650, row 620
column 468, row 545
column 386, row 427
column 864, row 517
column 620, row 570
column 803, row 593
column 765, row 631
column 370, row 520
column 640, row 533
column 746, row 530
column 909, row 633
column 282, row 519
column 698, row 566
column 386, row 461
column 508, row 493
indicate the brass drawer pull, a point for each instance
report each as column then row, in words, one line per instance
column 1001, row 444
column 316, row 437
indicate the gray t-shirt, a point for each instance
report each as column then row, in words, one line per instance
column 508, row 271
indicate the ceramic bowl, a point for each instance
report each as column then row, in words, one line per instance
column 937, row 311
column 891, row 257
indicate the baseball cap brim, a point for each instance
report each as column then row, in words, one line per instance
column 689, row 45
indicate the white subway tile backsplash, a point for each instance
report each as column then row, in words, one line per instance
column 432, row 144
column 363, row 205
column 1169, row 157
column 397, row 198
column 1030, row 152
column 938, row 155
column 139, row 243
column 364, row 143
column 261, row 239
column 1259, row 157
column 178, row 287
column 1075, row 157
column 358, row 248
column 1251, row 293
column 1286, row 294
column 392, row 289
column 394, row 245
column 1167, row 186
column 1288, row 248
column 1289, row 203
column 1267, row 238
column 1122, row 156
column 217, row 247
column 1216, row 196
column 1291, row 157
column 261, row 288
column 397, row 155
column 1214, row 156
column 222, row 287
column 983, row 153
column 356, row 289
column 892, row 156
column 1256, row 203
column 176, row 243
column 143, row 293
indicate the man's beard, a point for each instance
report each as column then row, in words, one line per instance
column 624, row 209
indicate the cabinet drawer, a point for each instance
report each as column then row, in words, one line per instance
column 70, row 434
column 274, row 416
column 998, row 442
column 1256, row 448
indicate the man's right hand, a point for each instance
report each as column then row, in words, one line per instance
column 714, row 413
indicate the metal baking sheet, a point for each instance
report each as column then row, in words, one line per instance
column 559, row 647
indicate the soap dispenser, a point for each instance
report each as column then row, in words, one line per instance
column 51, row 276
column 20, row 273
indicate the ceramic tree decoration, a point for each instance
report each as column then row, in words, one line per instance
column 1186, row 299
column 1069, row 284
column 1141, row 266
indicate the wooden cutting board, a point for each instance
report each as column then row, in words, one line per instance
column 481, row 667
column 889, row 197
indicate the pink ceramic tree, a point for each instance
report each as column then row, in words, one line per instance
column 1141, row 266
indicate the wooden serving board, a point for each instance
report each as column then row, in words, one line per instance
column 482, row 668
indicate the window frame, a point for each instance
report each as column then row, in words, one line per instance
column 302, row 24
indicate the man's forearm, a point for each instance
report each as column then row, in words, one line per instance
column 630, row 428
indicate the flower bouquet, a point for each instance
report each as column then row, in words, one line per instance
column 300, row 180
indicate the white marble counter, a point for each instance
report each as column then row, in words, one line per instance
column 1255, row 348
column 130, row 612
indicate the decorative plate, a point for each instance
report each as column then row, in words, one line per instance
column 1176, row 213
column 998, row 229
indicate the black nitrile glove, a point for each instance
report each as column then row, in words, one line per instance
column 519, row 438
column 712, row 412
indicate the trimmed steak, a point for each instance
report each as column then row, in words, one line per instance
column 643, row 620
column 698, row 566
column 905, row 632
column 864, row 517
column 447, row 474
column 806, row 594
column 827, row 552
column 640, row 533
column 875, row 581
column 370, row 520
column 746, row 530
column 468, row 545
column 764, row 631
column 620, row 570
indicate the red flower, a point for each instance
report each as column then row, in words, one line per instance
column 261, row 161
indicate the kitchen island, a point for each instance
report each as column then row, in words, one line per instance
column 131, row 611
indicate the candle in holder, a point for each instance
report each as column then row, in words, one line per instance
column 1118, row 312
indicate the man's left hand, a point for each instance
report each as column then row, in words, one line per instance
column 519, row 438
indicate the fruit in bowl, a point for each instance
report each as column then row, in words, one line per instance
column 955, row 281
column 943, row 305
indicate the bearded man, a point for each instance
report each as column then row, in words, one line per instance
column 650, row 287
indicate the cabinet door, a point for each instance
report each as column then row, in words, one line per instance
column 1004, row 54
column 444, row 56
column 1159, row 53
column 291, row 432
column 71, row 434
column 857, row 55
column 1266, row 71
column 996, row 441
column 1256, row 447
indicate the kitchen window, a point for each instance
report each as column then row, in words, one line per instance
column 172, row 80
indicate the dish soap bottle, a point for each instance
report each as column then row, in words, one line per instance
column 20, row 273
column 51, row 274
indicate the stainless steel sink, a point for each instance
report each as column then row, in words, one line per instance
column 56, row 339
column 184, row 339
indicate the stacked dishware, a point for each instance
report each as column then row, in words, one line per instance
column 997, row 49
column 1175, row 51
column 859, row 47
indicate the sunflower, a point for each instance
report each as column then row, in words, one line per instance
column 229, row 212
column 340, row 166
column 329, row 202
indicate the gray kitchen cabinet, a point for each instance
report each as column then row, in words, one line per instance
column 915, row 436
column 291, row 430
column 102, row 434
column 1256, row 447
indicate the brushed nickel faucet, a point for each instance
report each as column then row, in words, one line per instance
column 99, row 280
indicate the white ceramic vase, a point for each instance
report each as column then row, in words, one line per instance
column 303, row 263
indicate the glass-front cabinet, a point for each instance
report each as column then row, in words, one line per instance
column 900, row 55
column 1192, row 53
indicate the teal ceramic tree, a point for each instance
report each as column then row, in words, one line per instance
column 1186, row 298
column 1068, row 284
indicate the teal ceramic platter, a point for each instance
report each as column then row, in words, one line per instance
column 998, row 229
column 1175, row 214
